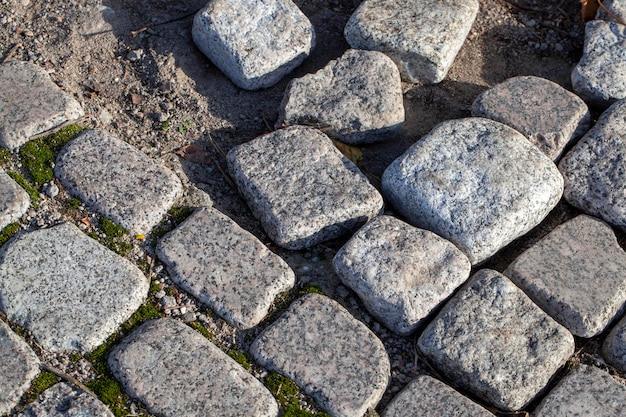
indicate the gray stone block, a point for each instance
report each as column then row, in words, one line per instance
column 523, row 102
column 493, row 341
column 400, row 272
column 356, row 98
column 614, row 348
column 585, row 391
column 476, row 182
column 429, row 397
column 69, row 291
column 422, row 36
column 332, row 356
column 117, row 180
column 14, row 201
column 301, row 188
column 61, row 400
column 254, row 43
column 615, row 8
column 175, row 371
column 576, row 274
column 31, row 103
column 18, row 367
column 225, row 267
column 600, row 75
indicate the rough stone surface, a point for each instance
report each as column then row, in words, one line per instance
column 225, row 267
column 523, row 102
column 576, row 274
column 614, row 348
column 117, row 180
column 31, row 103
column 493, row 341
column 176, row 371
column 595, row 169
column 61, row 400
column 356, row 98
column 18, row 367
column 617, row 9
column 400, row 272
column 301, row 188
column 476, row 182
column 585, row 391
column 600, row 76
column 427, row 397
column 14, row 201
column 67, row 289
column 254, row 43
column 332, row 356
column 422, row 36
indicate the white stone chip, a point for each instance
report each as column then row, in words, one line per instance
column 61, row 400
column 14, row 201
column 614, row 348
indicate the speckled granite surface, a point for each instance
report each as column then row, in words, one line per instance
column 14, row 201
column 61, row 400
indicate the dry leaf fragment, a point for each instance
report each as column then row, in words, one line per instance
column 193, row 153
column 351, row 152
column 85, row 221
column 589, row 9
column 136, row 98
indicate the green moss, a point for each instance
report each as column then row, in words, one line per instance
column 111, row 229
column 184, row 127
column 173, row 218
column 165, row 125
column 75, row 357
column 293, row 410
column 5, row 156
column 42, row 382
column 75, row 203
column 240, row 358
column 8, row 232
column 147, row 311
column 311, row 289
column 33, row 193
column 286, row 393
column 201, row 329
column 110, row 392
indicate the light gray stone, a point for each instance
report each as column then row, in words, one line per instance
column 175, row 371
column 254, row 43
column 332, row 356
column 493, row 341
column 616, row 9
column 68, row 290
column 576, row 274
column 600, row 75
column 585, row 392
column 476, row 182
column 301, row 188
column 117, row 180
column 31, row 103
column 61, row 400
column 225, row 267
column 595, row 169
column 422, row 36
column 14, row 201
column 523, row 102
column 400, row 272
column 356, row 98
column 614, row 348
column 429, row 397
column 18, row 367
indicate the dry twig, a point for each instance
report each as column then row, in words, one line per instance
column 68, row 378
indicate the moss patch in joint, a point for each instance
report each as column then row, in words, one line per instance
column 240, row 358
column 201, row 329
column 8, row 232
column 42, row 382
column 33, row 193
column 286, row 393
column 5, row 156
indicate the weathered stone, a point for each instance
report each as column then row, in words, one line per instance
column 31, row 103
column 614, row 348
column 332, row 356
column 69, row 291
column 585, row 391
column 356, row 98
column 600, row 76
column 422, row 36
column 18, row 367
column 256, row 43
column 493, row 341
column 225, row 267
column 522, row 103
column 400, row 272
column 428, row 397
column 612, row 9
column 176, row 371
column 476, row 182
column 301, row 188
column 576, row 274
column 117, row 180
column 61, row 400
column 14, row 201
column 595, row 169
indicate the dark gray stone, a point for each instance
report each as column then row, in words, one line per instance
column 14, row 201
column 614, row 348
column 61, row 400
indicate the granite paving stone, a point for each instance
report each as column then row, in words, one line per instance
column 14, row 201
column 614, row 348
column 117, row 180
column 523, row 103
column 332, row 356
column 255, row 44
column 175, row 371
column 301, row 188
column 585, row 391
column 62, row 400
column 616, row 9
column 422, row 36
column 18, row 367
column 31, row 103
column 68, row 290
column 225, row 267
column 493, row 341
column 356, row 98
column 476, row 182
column 576, row 274
column 401, row 273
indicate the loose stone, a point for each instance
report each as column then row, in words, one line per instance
column 614, row 348
column 14, row 201
column 61, row 400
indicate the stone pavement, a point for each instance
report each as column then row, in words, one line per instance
column 495, row 341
